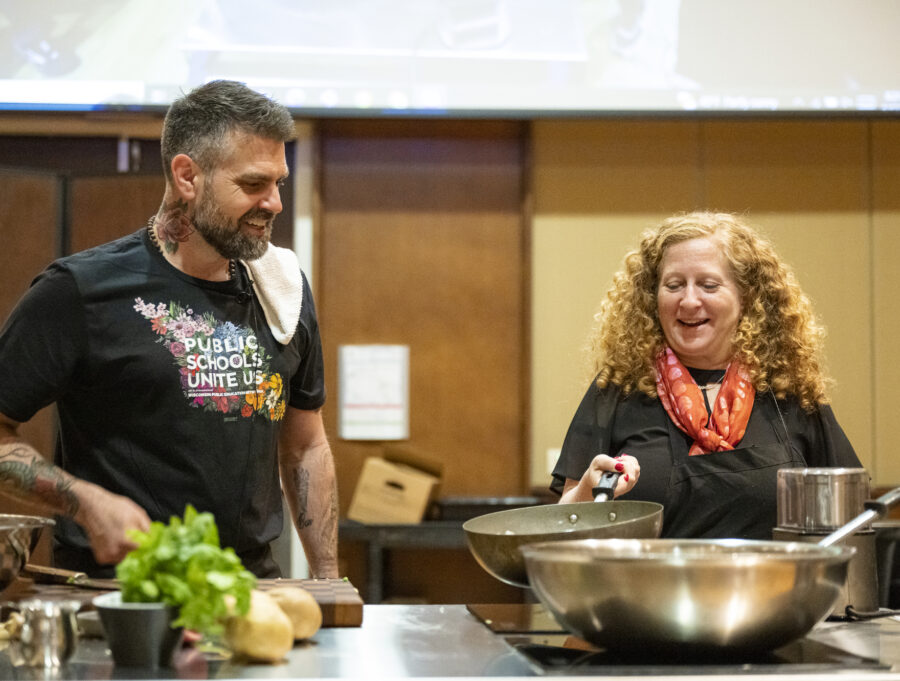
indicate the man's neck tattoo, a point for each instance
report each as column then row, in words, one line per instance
column 173, row 226
column 171, row 246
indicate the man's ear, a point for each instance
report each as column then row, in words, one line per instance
column 185, row 176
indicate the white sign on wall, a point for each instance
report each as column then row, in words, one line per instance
column 373, row 392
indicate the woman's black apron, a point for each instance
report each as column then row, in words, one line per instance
column 727, row 494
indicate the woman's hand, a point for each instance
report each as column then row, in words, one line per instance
column 582, row 490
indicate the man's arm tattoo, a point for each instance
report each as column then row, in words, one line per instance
column 24, row 473
column 301, row 485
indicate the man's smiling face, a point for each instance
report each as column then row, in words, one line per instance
column 240, row 197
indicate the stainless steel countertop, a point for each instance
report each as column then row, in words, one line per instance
column 433, row 641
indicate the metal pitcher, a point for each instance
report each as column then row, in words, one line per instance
column 49, row 632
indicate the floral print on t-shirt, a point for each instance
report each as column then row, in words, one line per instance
column 221, row 365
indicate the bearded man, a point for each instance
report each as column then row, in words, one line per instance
column 184, row 360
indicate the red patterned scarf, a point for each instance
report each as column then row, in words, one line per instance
column 681, row 397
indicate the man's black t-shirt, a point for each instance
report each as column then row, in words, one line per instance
column 169, row 389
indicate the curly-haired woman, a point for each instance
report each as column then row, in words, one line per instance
column 708, row 380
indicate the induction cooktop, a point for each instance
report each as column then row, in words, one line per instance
column 800, row 657
column 549, row 650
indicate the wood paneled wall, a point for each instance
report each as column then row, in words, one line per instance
column 29, row 212
column 885, row 309
column 29, row 209
column 108, row 207
column 422, row 243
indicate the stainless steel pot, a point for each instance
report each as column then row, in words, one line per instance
column 495, row 538
column 813, row 502
column 820, row 499
column 692, row 596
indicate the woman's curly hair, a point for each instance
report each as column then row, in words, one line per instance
column 777, row 337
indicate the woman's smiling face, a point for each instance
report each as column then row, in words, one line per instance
column 698, row 302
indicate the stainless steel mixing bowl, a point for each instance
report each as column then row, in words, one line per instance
column 19, row 535
column 687, row 595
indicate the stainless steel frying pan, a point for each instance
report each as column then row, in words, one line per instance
column 495, row 539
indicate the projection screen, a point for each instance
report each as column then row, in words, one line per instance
column 458, row 57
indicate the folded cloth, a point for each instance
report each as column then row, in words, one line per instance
column 278, row 284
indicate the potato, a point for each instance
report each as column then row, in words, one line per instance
column 300, row 607
column 264, row 633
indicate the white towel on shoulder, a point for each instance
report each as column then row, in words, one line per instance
column 278, row 284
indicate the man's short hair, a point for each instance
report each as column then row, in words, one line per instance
column 198, row 122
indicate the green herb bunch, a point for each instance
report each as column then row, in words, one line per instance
column 182, row 564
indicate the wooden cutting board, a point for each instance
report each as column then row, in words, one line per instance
column 339, row 600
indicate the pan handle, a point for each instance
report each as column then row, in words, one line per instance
column 875, row 508
column 885, row 502
column 604, row 491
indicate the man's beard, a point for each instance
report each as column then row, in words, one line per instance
column 224, row 235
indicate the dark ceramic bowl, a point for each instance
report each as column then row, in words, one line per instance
column 138, row 634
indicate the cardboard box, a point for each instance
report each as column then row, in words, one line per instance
column 395, row 488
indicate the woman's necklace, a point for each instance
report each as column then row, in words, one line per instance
column 714, row 384
column 711, row 392
column 232, row 268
